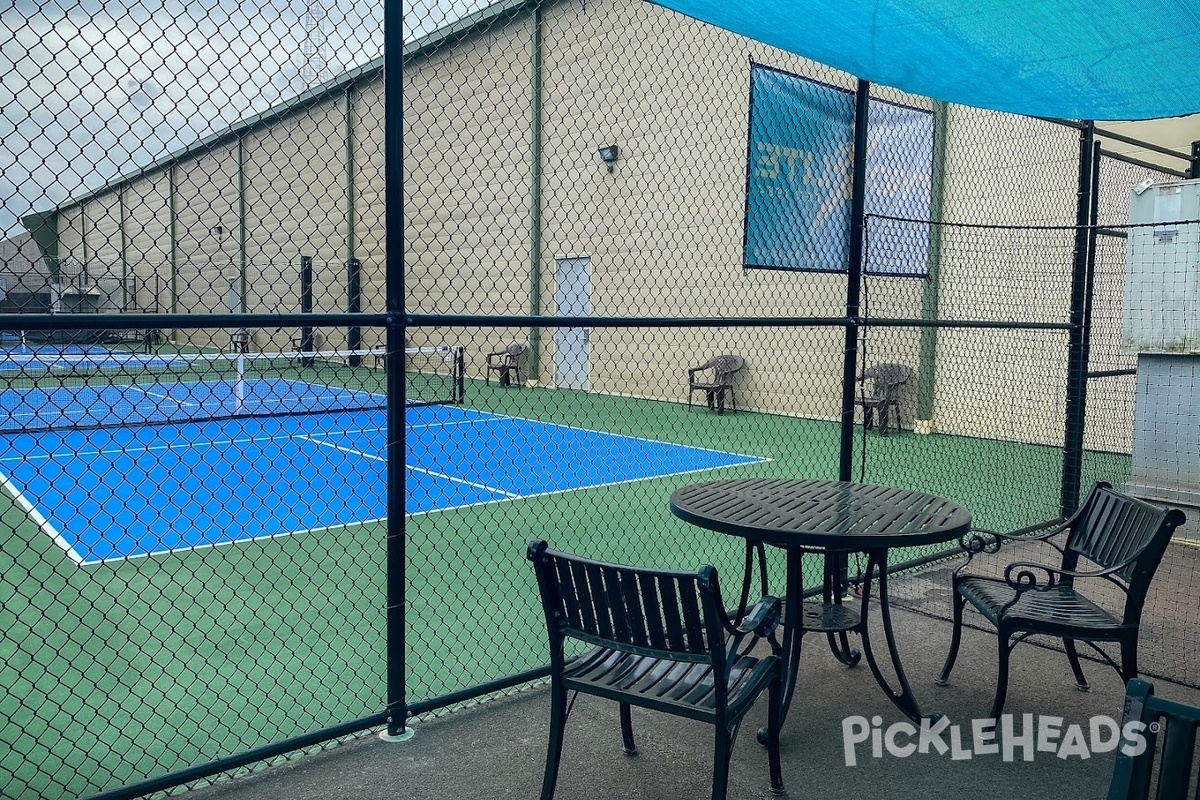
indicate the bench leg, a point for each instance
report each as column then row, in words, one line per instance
column 1073, row 657
column 627, row 744
column 943, row 677
column 558, row 724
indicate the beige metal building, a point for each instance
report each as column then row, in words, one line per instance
column 509, row 210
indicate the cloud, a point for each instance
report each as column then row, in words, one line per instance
column 92, row 89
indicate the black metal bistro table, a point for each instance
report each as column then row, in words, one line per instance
column 827, row 518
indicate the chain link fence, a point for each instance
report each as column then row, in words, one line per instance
column 211, row 423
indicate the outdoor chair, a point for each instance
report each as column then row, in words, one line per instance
column 1123, row 536
column 506, row 364
column 886, row 380
column 660, row 640
column 721, row 370
column 1170, row 734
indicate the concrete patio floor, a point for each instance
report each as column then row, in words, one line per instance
column 497, row 749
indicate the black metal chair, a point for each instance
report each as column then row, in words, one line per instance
column 720, row 382
column 886, row 380
column 1169, row 730
column 1125, row 537
column 506, row 364
column 661, row 640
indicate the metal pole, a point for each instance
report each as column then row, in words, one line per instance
column 858, row 198
column 243, row 261
column 354, row 305
column 307, row 339
column 1077, row 336
column 353, row 266
column 535, row 210
column 124, row 251
column 1194, row 169
column 858, row 205
column 172, row 211
column 393, row 147
column 931, row 292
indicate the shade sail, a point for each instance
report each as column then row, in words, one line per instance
column 1078, row 59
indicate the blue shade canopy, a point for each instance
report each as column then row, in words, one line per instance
column 1078, row 59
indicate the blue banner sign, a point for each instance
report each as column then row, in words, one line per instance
column 799, row 174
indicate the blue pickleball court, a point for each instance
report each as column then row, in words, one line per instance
column 113, row 492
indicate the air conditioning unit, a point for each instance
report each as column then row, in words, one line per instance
column 1162, row 325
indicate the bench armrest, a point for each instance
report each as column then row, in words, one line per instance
column 1026, row 576
column 763, row 618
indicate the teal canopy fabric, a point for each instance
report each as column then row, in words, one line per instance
column 1076, row 59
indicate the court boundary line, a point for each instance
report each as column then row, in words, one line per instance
column 502, row 417
column 207, row 545
column 494, row 489
column 757, row 460
column 44, row 525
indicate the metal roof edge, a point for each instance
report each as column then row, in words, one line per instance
column 421, row 46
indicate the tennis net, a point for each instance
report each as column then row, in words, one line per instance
column 46, row 391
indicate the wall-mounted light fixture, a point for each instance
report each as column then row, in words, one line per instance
column 609, row 154
column 218, row 230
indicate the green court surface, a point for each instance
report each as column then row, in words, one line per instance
column 115, row 672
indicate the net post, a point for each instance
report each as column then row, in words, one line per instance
column 460, row 372
column 306, row 307
column 354, row 306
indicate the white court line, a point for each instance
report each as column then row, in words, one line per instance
column 204, row 546
column 465, row 482
column 488, row 416
column 371, row 456
column 39, row 520
column 180, row 403
column 758, row 460
column 158, row 448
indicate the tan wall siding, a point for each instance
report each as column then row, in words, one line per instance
column 70, row 234
column 296, row 207
column 370, row 220
column 208, row 264
column 467, row 142
column 663, row 231
column 148, row 240
column 103, row 214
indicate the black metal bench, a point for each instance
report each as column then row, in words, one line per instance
column 661, row 640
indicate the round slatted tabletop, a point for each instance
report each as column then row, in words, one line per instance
column 834, row 515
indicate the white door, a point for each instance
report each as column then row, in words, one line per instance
column 573, row 298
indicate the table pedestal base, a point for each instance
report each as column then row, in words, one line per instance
column 835, row 619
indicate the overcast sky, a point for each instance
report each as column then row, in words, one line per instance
column 92, row 89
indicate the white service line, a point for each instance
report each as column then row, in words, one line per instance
column 457, row 422
column 371, row 456
column 472, row 484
